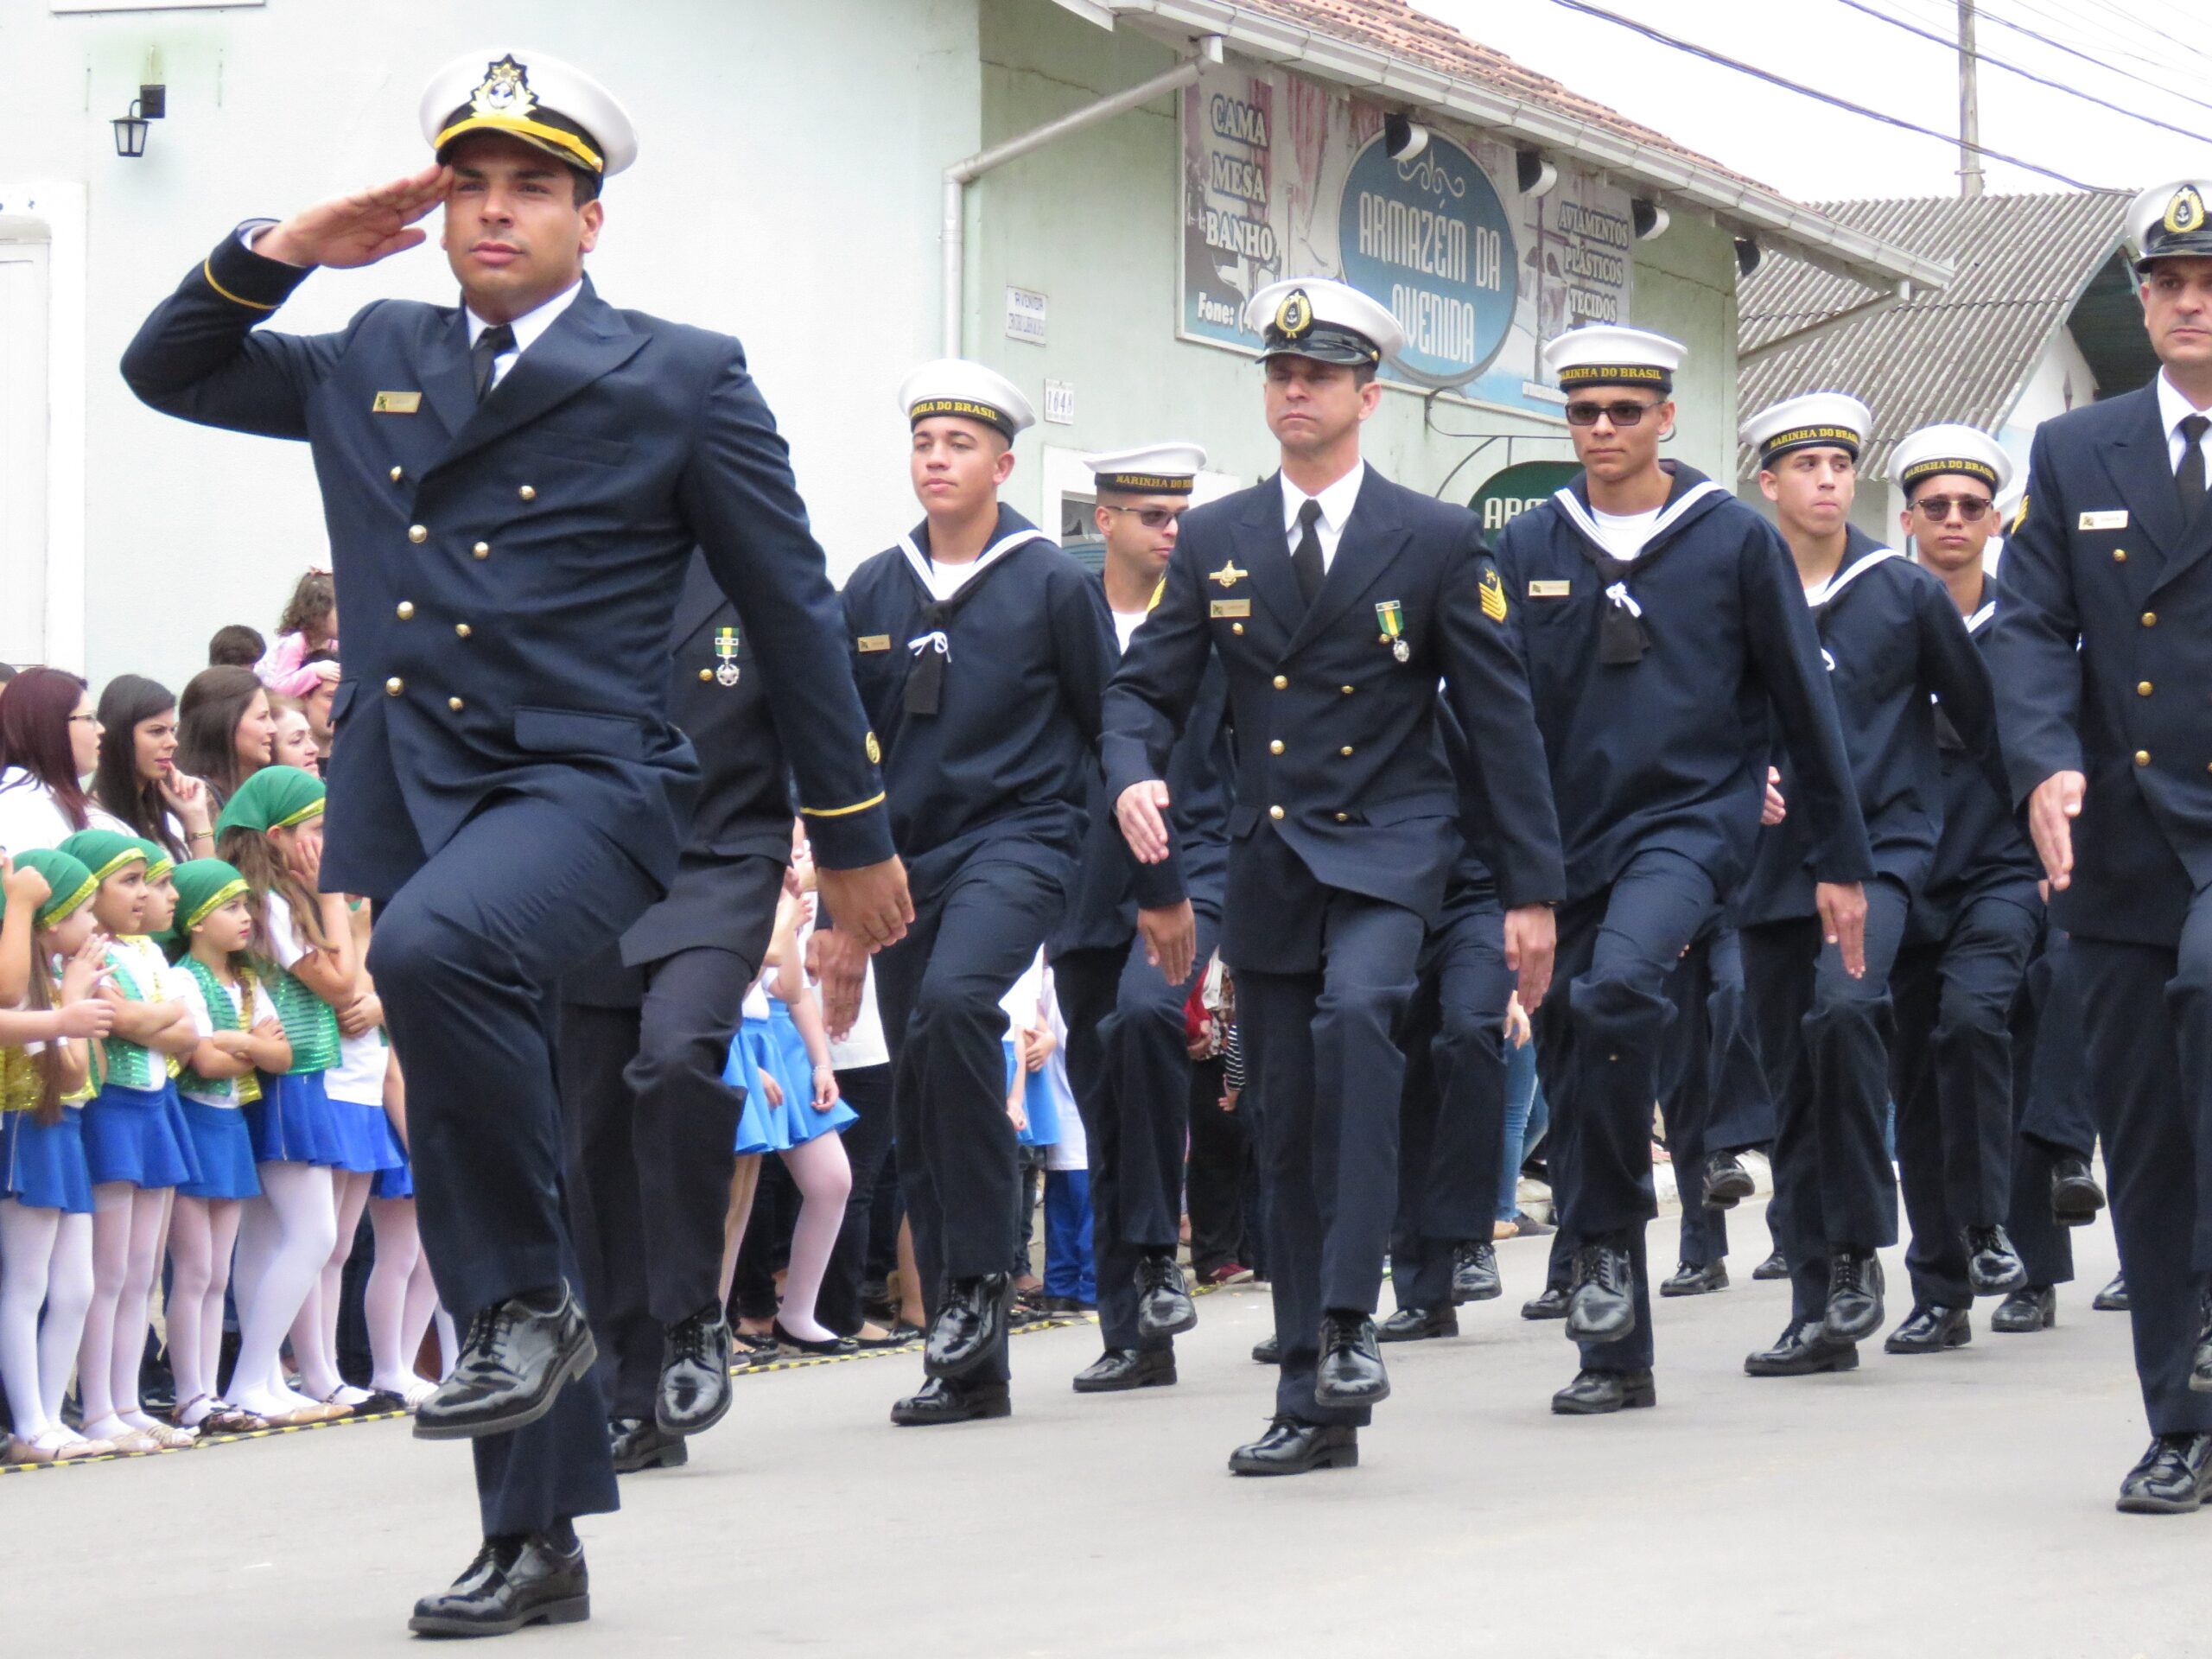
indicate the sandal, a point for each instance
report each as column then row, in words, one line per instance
column 224, row 1418
column 169, row 1438
column 131, row 1443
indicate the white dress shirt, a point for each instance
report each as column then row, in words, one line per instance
column 1336, row 507
column 527, row 327
column 2174, row 408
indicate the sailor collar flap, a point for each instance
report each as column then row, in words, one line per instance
column 1622, row 637
column 932, row 646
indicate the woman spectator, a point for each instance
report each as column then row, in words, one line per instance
column 49, row 740
column 228, row 733
column 137, row 779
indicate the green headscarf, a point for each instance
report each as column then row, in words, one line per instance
column 72, row 884
column 203, row 886
column 275, row 798
column 158, row 861
column 104, row 852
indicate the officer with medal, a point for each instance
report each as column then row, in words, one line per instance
column 1128, row 1053
column 1661, row 621
column 982, row 651
column 645, row 1030
column 1335, row 599
column 1893, row 644
column 513, row 486
column 2103, row 627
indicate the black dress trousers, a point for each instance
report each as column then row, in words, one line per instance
column 2047, row 1059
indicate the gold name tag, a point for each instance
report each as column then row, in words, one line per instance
column 873, row 642
column 397, row 403
column 1232, row 608
column 1550, row 589
column 2116, row 519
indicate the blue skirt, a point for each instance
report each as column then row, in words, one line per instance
column 1040, row 1103
column 224, row 1147
column 138, row 1135
column 291, row 1122
column 774, row 1045
column 44, row 1168
column 363, row 1139
column 395, row 1181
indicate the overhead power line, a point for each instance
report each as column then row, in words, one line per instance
column 1767, row 75
column 2120, row 47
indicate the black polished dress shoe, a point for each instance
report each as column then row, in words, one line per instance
column 694, row 1362
column 518, row 1355
column 2031, row 1307
column 2076, row 1198
column 1350, row 1372
column 1601, row 1307
column 2112, row 1298
column 2200, row 1363
column 1474, row 1274
column 1551, row 1304
column 1290, row 1447
column 1994, row 1267
column 638, row 1444
column 944, row 1401
column 1773, row 1267
column 2173, row 1477
column 1595, row 1394
column 1266, row 1352
column 1692, row 1280
column 1120, row 1369
column 1728, row 1182
column 1931, row 1330
column 1802, row 1350
column 528, row 1579
column 1163, row 1304
column 968, row 1326
column 1854, row 1307
column 1417, row 1325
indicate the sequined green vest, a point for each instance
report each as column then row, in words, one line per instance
column 224, row 1015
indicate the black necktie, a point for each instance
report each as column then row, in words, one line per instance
column 494, row 340
column 1305, row 558
column 2190, row 479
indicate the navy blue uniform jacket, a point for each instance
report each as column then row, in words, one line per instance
column 1893, row 641
column 507, row 572
column 1004, row 765
column 2103, row 631
column 1670, row 752
column 1336, row 749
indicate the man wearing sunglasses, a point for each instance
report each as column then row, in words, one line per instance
column 1661, row 623
column 1892, row 641
column 1129, row 1059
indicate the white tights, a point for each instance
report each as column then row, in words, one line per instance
column 314, row 1332
column 824, row 1178
column 201, row 1234
column 46, row 1259
column 284, row 1240
column 129, row 1225
column 398, row 1300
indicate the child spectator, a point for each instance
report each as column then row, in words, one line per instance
column 309, row 624
column 235, row 645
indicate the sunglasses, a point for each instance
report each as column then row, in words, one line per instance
column 1152, row 517
column 1937, row 508
column 1620, row 414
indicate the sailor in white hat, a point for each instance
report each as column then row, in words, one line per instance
column 1808, row 450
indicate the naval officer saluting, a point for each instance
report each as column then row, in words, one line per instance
column 1336, row 600
column 2104, row 623
column 513, row 486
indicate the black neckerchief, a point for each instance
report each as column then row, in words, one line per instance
column 932, row 648
column 1622, row 637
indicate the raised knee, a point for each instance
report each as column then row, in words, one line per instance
column 411, row 945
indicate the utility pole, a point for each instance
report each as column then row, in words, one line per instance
column 1969, row 107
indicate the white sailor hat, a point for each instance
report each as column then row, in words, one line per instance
column 539, row 99
column 1329, row 322
column 2169, row 221
column 1935, row 450
column 1833, row 419
column 953, row 386
column 1607, row 354
column 1150, row 469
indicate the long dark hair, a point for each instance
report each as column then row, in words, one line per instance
column 255, row 857
column 214, row 701
column 130, row 700
column 34, row 735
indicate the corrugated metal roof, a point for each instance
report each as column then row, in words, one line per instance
column 1959, row 354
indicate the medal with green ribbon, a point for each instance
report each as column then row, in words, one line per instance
column 726, row 648
column 1392, row 616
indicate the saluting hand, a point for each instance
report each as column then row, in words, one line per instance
column 1531, row 941
column 1170, row 940
column 1843, row 922
column 2051, row 811
column 1141, row 813
column 871, row 902
column 359, row 229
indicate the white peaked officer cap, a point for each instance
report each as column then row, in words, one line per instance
column 1329, row 322
column 2169, row 221
column 1935, row 450
column 953, row 386
column 1819, row 420
column 1606, row 355
column 552, row 105
column 1149, row 469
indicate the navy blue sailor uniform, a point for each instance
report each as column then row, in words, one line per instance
column 1128, row 1053
column 2103, row 626
column 1712, row 1088
column 646, row 1027
column 1658, row 754
column 2052, row 1115
column 989, row 791
column 506, row 783
column 1341, row 840
column 1896, row 645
